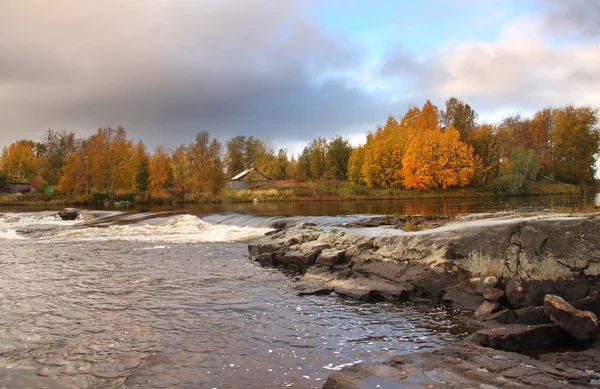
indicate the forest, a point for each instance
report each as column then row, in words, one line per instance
column 425, row 149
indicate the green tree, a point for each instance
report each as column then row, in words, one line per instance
column 337, row 158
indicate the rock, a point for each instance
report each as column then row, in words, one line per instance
column 316, row 292
column 69, row 214
column 527, row 316
column 493, row 294
column 530, row 293
column 296, row 261
column 580, row 324
column 487, row 308
column 590, row 303
column 519, row 337
column 462, row 366
column 329, row 257
column 465, row 294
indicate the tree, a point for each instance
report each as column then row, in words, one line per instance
column 337, row 158
column 460, row 115
column 182, row 181
column 216, row 178
column 141, row 161
column 113, row 167
column 78, row 169
column 575, row 143
column 317, row 153
column 53, row 150
column 198, row 158
column 490, row 145
column 517, row 170
column 160, row 171
column 19, row 161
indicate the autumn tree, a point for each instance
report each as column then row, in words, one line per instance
column 159, row 171
column 53, row 150
column 490, row 144
column 19, row 161
column 575, row 143
column 141, row 162
column 182, row 181
column 78, row 170
column 215, row 181
column 198, row 159
column 460, row 115
column 435, row 159
column 114, row 167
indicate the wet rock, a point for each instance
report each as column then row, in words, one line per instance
column 487, row 308
column 519, row 337
column 296, row 261
column 316, row 292
column 493, row 294
column 580, row 324
column 462, row 366
column 69, row 214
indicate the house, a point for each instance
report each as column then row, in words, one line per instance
column 20, row 187
column 246, row 177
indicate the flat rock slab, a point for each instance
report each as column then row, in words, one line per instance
column 580, row 324
column 522, row 337
column 462, row 366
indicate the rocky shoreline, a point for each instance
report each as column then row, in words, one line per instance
column 529, row 282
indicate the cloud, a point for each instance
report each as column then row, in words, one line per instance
column 572, row 17
column 166, row 70
column 522, row 71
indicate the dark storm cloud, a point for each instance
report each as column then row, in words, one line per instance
column 578, row 17
column 166, row 70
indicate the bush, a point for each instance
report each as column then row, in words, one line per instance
column 509, row 185
column 126, row 197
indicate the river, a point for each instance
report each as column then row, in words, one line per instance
column 145, row 300
column 167, row 298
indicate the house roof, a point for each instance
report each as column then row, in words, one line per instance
column 248, row 171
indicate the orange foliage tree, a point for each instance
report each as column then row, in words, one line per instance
column 19, row 161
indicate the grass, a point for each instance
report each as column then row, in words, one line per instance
column 284, row 191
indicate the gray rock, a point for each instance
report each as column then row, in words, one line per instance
column 580, row 324
column 69, row 214
column 462, row 366
column 519, row 337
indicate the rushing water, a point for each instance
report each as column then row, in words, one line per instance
column 144, row 300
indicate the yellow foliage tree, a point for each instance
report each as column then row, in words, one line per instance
column 159, row 172
column 19, row 161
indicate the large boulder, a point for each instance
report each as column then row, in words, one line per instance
column 580, row 324
column 69, row 214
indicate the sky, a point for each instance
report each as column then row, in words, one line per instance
column 285, row 71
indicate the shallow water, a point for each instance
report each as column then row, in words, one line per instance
column 147, row 303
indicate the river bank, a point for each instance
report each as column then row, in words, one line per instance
column 500, row 270
column 285, row 192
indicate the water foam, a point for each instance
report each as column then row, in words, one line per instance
column 178, row 229
column 10, row 223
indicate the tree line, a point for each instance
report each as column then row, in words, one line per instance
column 426, row 148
